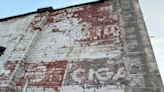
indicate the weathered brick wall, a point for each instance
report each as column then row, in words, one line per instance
column 96, row 47
column 11, row 34
column 138, row 49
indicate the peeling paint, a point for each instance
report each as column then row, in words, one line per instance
column 85, row 48
column 96, row 73
column 45, row 75
column 9, row 67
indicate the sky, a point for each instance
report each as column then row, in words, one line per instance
column 153, row 11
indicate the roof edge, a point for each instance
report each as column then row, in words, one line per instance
column 40, row 10
column 21, row 15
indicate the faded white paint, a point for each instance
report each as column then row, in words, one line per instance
column 75, row 88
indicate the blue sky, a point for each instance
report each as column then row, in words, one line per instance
column 15, row 7
column 153, row 11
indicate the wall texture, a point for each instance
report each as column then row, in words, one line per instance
column 96, row 47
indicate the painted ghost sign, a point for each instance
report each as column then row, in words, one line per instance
column 96, row 73
column 44, row 74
